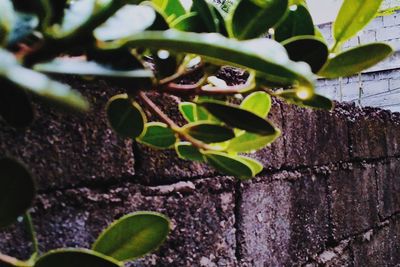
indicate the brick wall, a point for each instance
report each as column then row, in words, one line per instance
column 328, row 196
column 378, row 86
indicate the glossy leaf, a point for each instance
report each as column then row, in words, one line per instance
column 256, row 166
column 316, row 101
column 127, row 21
column 84, row 68
column 75, row 257
column 174, row 8
column 208, row 132
column 355, row 60
column 15, row 106
column 258, row 102
column 7, row 20
column 133, row 236
column 229, row 164
column 239, row 118
column 77, row 14
column 353, row 16
column 297, row 22
column 251, row 19
column 249, row 142
column 267, row 57
column 187, row 151
column 188, row 110
column 158, row 135
column 308, row 49
column 115, row 59
column 206, row 18
column 17, row 191
column 125, row 116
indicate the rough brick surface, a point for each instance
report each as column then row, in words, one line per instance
column 354, row 205
column 202, row 215
column 388, row 182
column 314, row 137
column 65, row 150
column 379, row 247
column 368, row 133
column 283, row 220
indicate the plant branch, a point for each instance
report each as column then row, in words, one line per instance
column 181, row 72
column 13, row 261
column 164, row 118
column 31, row 229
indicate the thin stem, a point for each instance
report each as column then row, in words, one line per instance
column 181, row 72
column 31, row 229
column 164, row 118
column 13, row 261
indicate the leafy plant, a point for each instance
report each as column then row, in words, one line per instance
column 150, row 46
column 155, row 46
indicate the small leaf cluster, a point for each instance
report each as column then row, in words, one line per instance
column 128, row 238
column 152, row 46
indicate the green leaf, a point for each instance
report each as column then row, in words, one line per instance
column 355, row 60
column 174, row 8
column 17, row 191
column 127, row 21
column 157, row 135
column 125, row 116
column 251, row 19
column 85, row 68
column 7, row 20
column 208, row 132
column 353, row 16
column 267, row 57
column 308, row 49
column 188, row 110
column 236, row 117
column 187, row 151
column 229, row 164
column 115, row 59
column 133, row 236
column 256, row 166
column 249, row 142
column 77, row 14
column 15, row 107
column 206, row 18
column 316, row 101
column 297, row 22
column 258, row 102
column 75, row 257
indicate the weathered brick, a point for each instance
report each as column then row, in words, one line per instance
column 354, row 206
column 379, row 247
column 64, row 150
column 373, row 248
column 388, row 182
column 314, row 137
column 283, row 219
column 338, row 256
column 393, row 136
column 202, row 215
column 368, row 133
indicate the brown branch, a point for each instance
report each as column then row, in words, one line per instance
column 13, row 261
column 164, row 118
column 197, row 89
column 181, row 72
